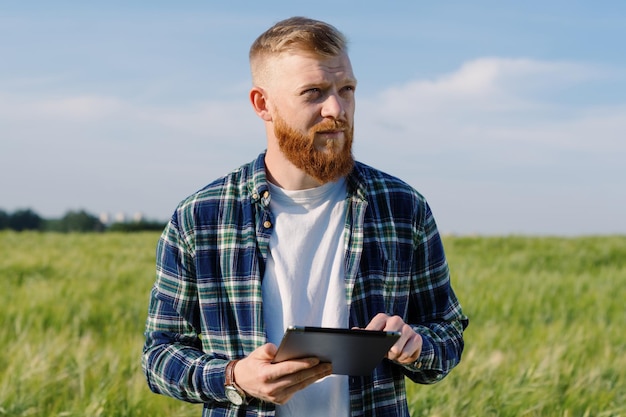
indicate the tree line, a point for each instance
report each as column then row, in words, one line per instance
column 72, row 221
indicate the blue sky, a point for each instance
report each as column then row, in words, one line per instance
column 509, row 117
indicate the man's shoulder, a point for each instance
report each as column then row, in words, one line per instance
column 390, row 200
column 375, row 181
column 235, row 186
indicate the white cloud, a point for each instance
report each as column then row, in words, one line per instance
column 486, row 77
column 493, row 100
column 64, row 113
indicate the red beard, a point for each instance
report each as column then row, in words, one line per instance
column 325, row 165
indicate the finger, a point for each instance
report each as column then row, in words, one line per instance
column 379, row 322
column 265, row 352
column 257, row 369
column 408, row 348
column 292, row 366
column 289, row 385
column 396, row 351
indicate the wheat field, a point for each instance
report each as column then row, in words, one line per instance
column 547, row 334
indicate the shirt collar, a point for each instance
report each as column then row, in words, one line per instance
column 257, row 185
column 259, row 190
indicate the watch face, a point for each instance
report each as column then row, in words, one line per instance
column 233, row 396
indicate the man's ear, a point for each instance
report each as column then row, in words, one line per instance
column 258, row 98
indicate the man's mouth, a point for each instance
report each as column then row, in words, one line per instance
column 331, row 134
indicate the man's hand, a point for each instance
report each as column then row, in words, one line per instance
column 278, row 382
column 408, row 348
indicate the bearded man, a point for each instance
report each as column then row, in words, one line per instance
column 302, row 235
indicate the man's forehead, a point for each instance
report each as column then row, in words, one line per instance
column 309, row 65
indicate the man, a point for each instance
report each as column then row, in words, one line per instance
column 303, row 235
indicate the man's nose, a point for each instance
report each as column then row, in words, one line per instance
column 333, row 107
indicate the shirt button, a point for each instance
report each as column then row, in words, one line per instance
column 267, row 224
column 255, row 196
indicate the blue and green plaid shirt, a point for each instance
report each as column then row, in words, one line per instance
column 206, row 305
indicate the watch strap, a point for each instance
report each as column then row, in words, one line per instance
column 229, row 380
column 230, row 372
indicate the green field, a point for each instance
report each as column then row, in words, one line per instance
column 547, row 333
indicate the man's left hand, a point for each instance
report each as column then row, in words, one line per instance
column 408, row 348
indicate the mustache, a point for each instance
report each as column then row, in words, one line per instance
column 331, row 124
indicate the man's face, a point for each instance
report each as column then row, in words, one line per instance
column 313, row 114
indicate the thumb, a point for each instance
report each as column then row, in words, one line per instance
column 265, row 352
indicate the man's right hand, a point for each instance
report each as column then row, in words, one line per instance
column 277, row 382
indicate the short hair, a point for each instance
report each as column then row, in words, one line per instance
column 299, row 34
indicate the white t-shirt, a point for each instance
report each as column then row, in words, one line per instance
column 304, row 285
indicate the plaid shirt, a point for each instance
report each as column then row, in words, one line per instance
column 206, row 305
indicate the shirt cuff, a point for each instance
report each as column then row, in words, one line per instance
column 214, row 378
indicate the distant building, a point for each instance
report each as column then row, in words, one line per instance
column 105, row 219
column 138, row 217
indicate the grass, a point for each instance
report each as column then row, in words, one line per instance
column 71, row 326
column 546, row 335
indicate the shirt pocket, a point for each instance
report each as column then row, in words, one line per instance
column 396, row 286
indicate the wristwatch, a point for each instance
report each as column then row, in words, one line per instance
column 234, row 394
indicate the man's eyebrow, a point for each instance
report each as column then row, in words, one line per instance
column 326, row 83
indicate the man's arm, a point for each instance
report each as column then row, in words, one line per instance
column 431, row 341
column 176, row 366
column 434, row 311
column 173, row 360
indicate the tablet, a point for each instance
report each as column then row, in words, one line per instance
column 352, row 352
